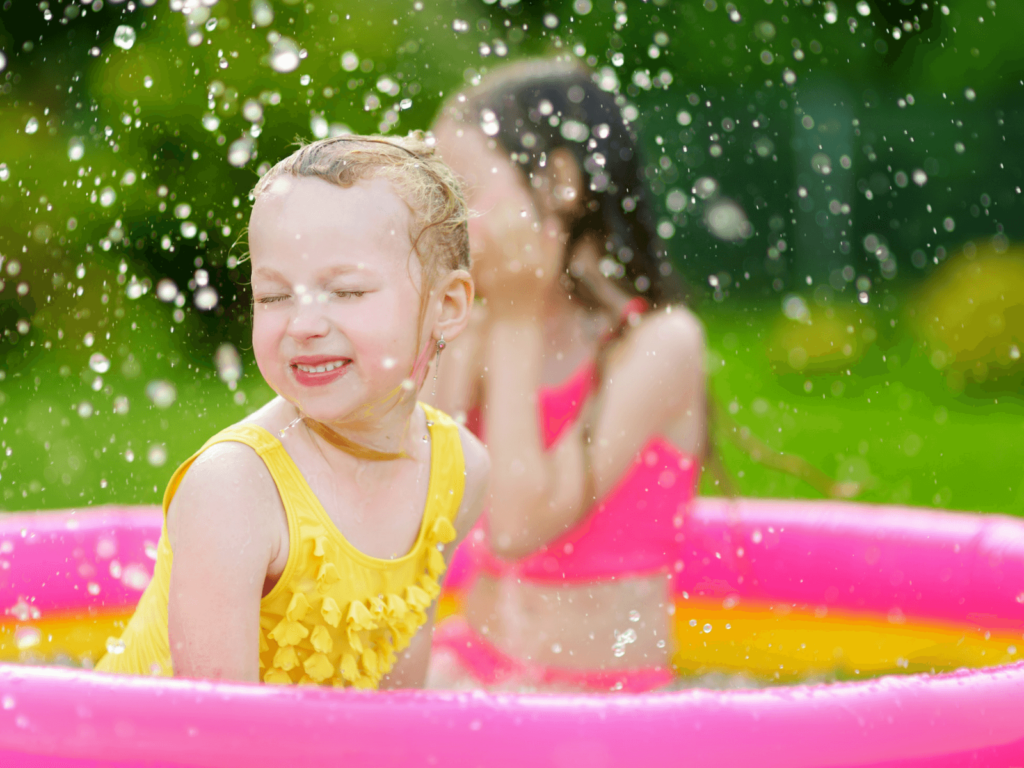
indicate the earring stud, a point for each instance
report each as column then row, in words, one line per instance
column 440, row 345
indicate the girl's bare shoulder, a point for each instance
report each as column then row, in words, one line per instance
column 671, row 339
column 227, row 486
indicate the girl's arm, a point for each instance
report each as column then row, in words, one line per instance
column 223, row 528
column 652, row 381
column 410, row 671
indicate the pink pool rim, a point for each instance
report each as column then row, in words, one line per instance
column 922, row 566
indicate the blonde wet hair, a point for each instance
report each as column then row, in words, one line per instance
column 439, row 235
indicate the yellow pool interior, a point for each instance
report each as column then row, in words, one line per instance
column 768, row 643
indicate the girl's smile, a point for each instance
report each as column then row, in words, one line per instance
column 337, row 290
column 317, row 370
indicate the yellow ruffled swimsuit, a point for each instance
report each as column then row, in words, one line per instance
column 336, row 615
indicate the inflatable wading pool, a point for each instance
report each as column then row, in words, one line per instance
column 780, row 591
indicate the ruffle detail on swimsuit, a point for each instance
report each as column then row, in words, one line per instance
column 326, row 637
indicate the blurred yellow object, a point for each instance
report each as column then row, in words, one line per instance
column 769, row 642
column 824, row 340
column 786, row 643
column 970, row 314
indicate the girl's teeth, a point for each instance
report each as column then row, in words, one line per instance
column 319, row 368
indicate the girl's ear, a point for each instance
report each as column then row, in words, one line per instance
column 454, row 297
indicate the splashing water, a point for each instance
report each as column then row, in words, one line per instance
column 206, row 298
column 124, row 37
column 240, row 152
column 229, row 364
column 157, row 454
column 99, row 362
column 31, row 126
column 262, row 13
column 166, row 290
column 76, row 149
column 284, row 56
column 161, row 393
column 727, row 221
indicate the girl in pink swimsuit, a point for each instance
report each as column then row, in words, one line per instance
column 584, row 373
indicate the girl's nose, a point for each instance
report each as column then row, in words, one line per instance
column 309, row 320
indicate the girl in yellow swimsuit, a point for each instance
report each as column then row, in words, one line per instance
column 306, row 543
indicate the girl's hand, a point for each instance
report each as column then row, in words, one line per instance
column 517, row 257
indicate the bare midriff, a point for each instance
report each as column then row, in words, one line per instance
column 576, row 626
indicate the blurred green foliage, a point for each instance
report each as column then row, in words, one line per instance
column 863, row 140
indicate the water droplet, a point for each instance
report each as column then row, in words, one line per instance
column 618, row 651
column 556, row 648
column 460, row 26
column 5, row 174
column 206, row 298
column 318, row 126
column 788, row 76
column 969, row 94
column 684, row 117
column 634, row 616
column 821, row 163
column 161, row 393
column 550, row 20
column 211, row 122
column 349, row 61
column 756, row 536
column 707, row 628
column 99, row 362
column 150, row 549
column 107, row 197
column 124, row 37
column 27, row 637
column 8, row 701
column 408, row 385
column 240, row 152
column 115, row 646
column 3, row 61
column 863, row 8
column 147, row 81
column 32, row 125
column 92, row 588
column 120, row 405
column 85, row 409
column 284, row 56
column 75, row 149
column 188, row 230
column 920, row 177
column 252, row 111
column 166, row 290
column 262, row 13
column 949, row 224
column 727, row 221
column 157, row 454
column 489, row 122
column 228, row 362
column 831, row 12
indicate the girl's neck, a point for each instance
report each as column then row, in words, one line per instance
column 385, row 432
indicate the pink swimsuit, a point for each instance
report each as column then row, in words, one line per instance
column 635, row 530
